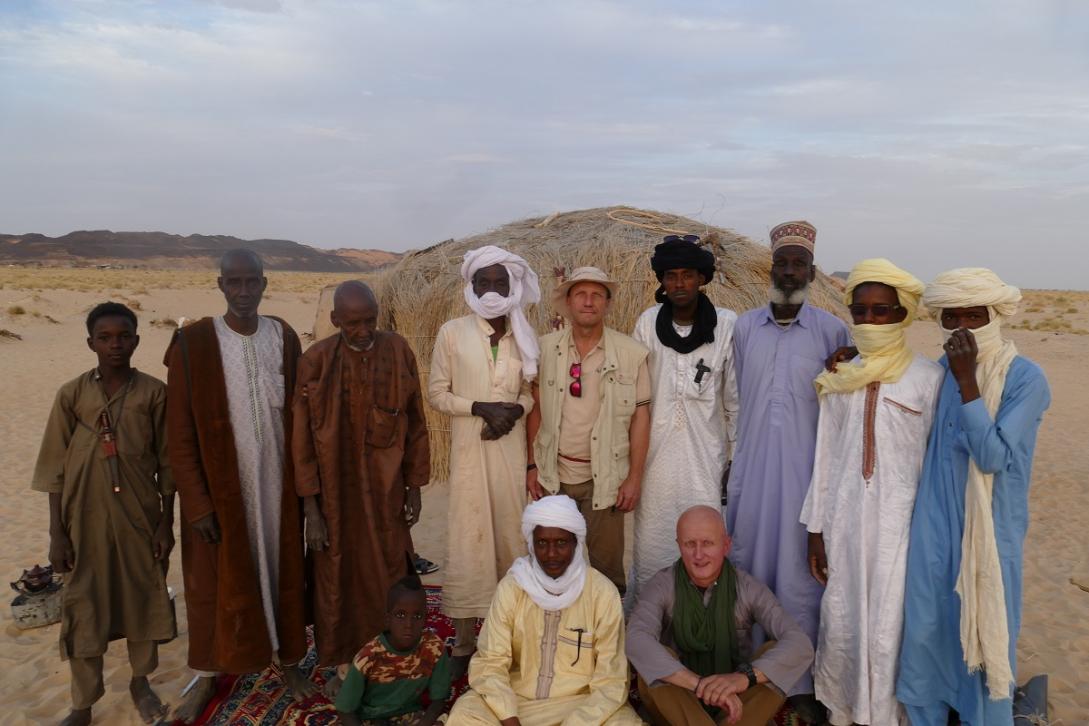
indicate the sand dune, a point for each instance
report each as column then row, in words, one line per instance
column 1054, row 637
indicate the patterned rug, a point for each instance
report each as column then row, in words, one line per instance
column 261, row 698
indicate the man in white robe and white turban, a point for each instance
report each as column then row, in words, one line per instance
column 480, row 371
column 552, row 647
column 962, row 610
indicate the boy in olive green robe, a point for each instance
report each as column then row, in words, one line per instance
column 111, row 504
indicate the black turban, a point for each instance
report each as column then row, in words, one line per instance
column 677, row 254
column 684, row 254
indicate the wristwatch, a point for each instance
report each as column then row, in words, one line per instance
column 746, row 670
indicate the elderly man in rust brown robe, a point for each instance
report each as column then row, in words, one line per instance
column 361, row 455
column 242, row 555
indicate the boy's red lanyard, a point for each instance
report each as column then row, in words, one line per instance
column 109, row 448
column 108, row 437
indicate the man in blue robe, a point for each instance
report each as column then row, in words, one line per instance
column 778, row 350
column 962, row 608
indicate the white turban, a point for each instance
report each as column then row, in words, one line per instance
column 550, row 593
column 968, row 287
column 984, row 633
column 524, row 290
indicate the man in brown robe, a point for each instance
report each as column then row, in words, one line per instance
column 241, row 530
column 360, row 450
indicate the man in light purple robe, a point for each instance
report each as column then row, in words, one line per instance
column 778, row 350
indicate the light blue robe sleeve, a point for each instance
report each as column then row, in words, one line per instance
column 999, row 444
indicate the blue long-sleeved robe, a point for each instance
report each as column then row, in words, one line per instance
column 933, row 675
column 773, row 463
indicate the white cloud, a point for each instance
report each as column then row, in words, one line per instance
column 432, row 119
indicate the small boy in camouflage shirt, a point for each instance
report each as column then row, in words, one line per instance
column 390, row 673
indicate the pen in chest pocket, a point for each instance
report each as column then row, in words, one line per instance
column 700, row 370
column 578, row 645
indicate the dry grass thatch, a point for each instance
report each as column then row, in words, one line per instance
column 424, row 289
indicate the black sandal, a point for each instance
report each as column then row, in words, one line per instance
column 424, row 566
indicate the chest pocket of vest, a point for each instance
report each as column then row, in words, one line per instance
column 383, row 426
column 623, row 390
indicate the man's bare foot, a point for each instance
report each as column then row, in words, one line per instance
column 77, row 717
column 192, row 707
column 147, row 703
column 332, row 687
column 300, row 686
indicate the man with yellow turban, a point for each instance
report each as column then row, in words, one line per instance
column 875, row 416
column 962, row 610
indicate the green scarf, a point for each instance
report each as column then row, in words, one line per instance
column 706, row 637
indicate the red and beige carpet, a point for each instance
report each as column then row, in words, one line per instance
column 261, row 698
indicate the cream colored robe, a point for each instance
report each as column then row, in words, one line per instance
column 533, row 663
column 487, row 478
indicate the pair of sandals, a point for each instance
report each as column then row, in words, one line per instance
column 424, row 566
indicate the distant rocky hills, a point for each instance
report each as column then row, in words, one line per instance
column 160, row 250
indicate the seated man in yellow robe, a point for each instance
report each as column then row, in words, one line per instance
column 552, row 647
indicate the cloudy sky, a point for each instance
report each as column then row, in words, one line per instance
column 939, row 134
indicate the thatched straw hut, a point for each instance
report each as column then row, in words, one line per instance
column 424, row 289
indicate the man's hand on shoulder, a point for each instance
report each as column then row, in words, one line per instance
column 208, row 528
column 839, row 355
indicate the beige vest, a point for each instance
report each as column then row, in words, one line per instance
column 610, row 446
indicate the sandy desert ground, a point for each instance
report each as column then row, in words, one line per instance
column 46, row 309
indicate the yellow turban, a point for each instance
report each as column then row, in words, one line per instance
column 908, row 287
column 883, row 348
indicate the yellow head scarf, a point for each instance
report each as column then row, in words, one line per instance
column 883, row 348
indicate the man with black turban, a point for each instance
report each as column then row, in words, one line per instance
column 693, row 401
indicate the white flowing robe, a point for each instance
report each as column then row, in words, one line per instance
column 487, row 478
column 870, row 448
column 691, row 438
column 254, row 377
